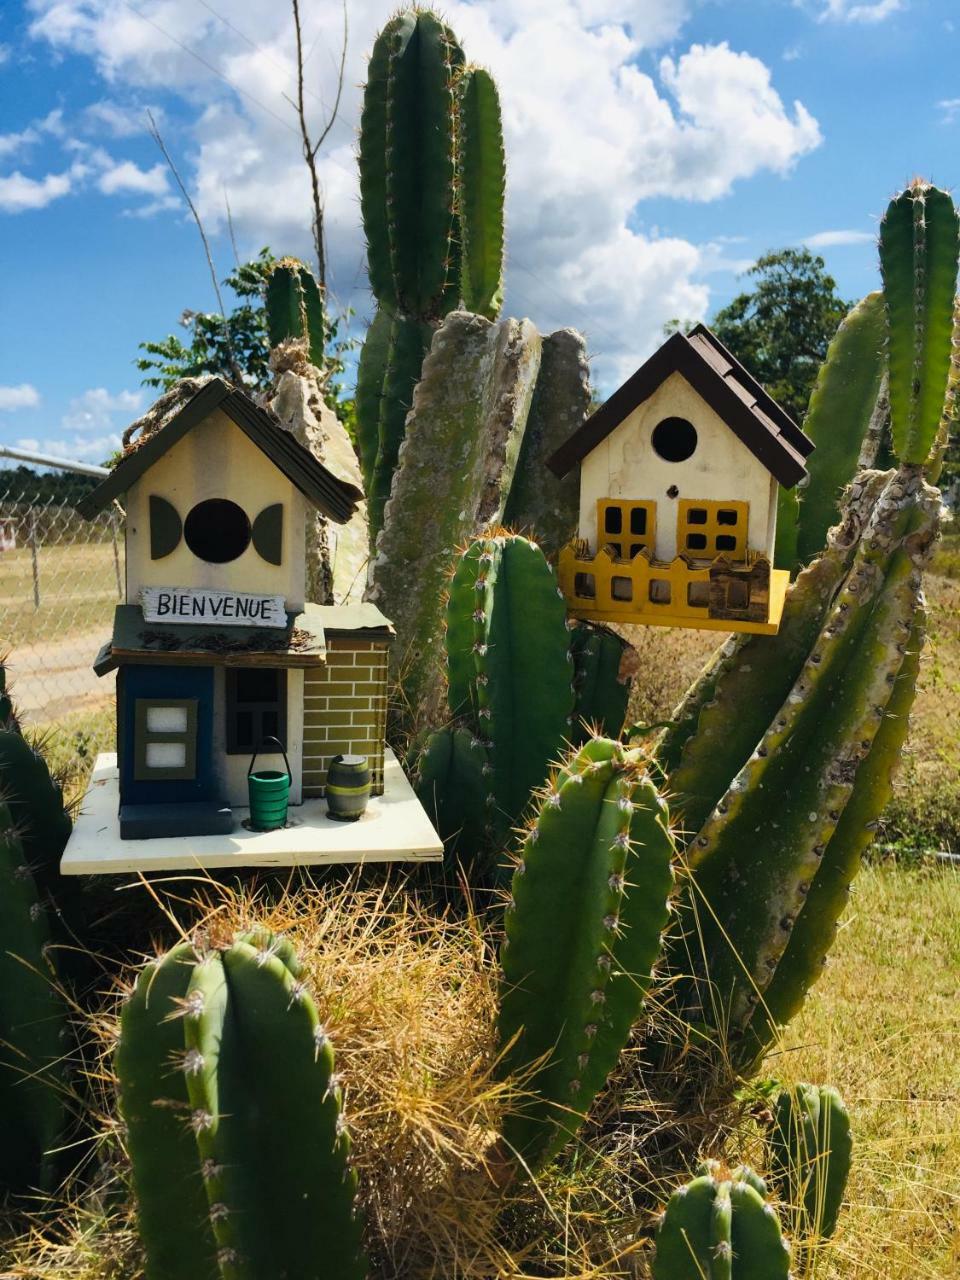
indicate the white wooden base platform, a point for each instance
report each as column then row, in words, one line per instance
column 395, row 828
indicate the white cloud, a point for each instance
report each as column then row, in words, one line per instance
column 126, row 176
column 591, row 129
column 829, row 239
column 23, row 396
column 950, row 108
column 118, row 120
column 76, row 449
column 859, row 10
column 18, row 192
column 94, row 409
column 12, row 142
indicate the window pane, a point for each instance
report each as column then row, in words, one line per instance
column 727, row 517
column 613, row 520
column 638, row 520
column 166, row 719
column 166, row 755
column 696, row 515
column 245, row 729
column 258, row 684
column 270, row 725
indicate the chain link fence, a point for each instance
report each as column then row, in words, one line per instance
column 60, row 578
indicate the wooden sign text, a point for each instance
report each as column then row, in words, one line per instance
column 207, row 607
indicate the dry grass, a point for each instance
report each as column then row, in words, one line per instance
column 410, row 1002
column 883, row 1026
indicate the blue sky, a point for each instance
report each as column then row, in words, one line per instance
column 655, row 147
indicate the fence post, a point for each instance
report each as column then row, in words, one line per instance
column 34, row 557
column 116, row 551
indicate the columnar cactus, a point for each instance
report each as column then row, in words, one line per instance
column 234, row 1121
column 841, row 410
column 431, row 196
column 601, row 686
column 919, row 246
column 810, row 1146
column 35, row 801
column 721, row 1228
column 32, row 1023
column 481, row 170
column 294, row 306
column 808, row 724
column 589, row 902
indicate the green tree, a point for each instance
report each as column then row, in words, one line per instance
column 238, row 343
column 781, row 328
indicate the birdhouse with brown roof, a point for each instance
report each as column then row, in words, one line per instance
column 219, row 658
column 680, row 472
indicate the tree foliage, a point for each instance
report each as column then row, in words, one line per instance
column 220, row 344
column 781, row 328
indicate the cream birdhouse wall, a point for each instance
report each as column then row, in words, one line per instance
column 721, row 468
column 216, row 460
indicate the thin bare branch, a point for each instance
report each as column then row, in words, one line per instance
column 233, row 238
column 311, row 149
column 155, row 134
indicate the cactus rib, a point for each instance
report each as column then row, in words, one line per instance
column 810, row 1148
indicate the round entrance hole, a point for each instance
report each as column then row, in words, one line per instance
column 217, row 530
column 674, row 439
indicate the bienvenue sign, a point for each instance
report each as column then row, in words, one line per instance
column 200, row 605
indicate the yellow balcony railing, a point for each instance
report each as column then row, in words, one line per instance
column 603, row 588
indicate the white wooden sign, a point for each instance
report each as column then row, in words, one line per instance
column 208, row 607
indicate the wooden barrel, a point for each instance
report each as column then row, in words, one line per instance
column 348, row 787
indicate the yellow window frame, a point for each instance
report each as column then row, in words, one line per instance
column 626, row 544
column 713, row 525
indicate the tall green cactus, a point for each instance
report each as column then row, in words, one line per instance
column 408, row 164
column 810, row 1147
column 32, row 1024
column 482, row 176
column 294, row 307
column 919, row 246
column 748, row 890
column 431, row 196
column 234, row 1122
column 589, row 902
column 520, row 685
column 601, row 686
column 841, row 408
column 35, row 801
column 718, row 1228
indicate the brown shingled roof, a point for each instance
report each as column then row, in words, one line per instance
column 754, row 417
column 336, row 498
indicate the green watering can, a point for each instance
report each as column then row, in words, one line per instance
column 269, row 791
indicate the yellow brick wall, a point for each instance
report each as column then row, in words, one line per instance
column 345, row 710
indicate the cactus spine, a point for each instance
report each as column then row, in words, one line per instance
column 919, row 246
column 810, row 1146
column 234, row 1120
column 717, row 1228
column 32, row 1024
column 589, row 902
column 482, row 175
column 294, row 306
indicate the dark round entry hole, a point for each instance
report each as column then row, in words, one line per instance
column 674, row 439
column 217, row 530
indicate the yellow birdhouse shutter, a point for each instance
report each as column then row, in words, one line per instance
column 706, row 530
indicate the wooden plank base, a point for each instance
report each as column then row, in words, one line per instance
column 395, row 828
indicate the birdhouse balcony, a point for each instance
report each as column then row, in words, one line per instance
column 718, row 594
